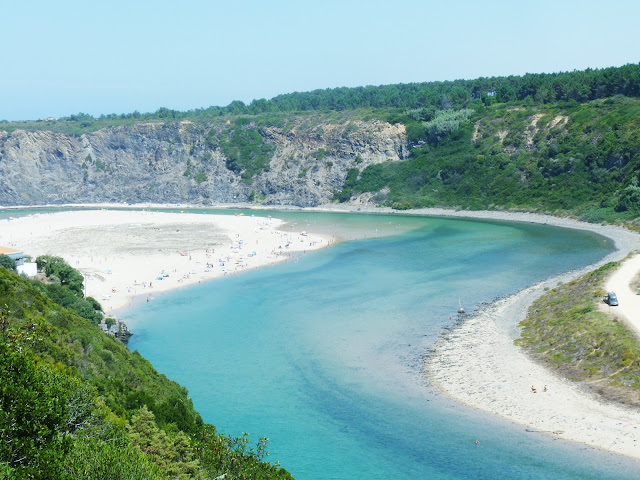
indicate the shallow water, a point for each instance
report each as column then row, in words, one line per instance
column 323, row 354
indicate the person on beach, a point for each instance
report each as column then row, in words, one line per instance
column 533, row 389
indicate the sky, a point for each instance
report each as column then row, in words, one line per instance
column 68, row 56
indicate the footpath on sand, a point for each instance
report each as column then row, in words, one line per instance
column 628, row 299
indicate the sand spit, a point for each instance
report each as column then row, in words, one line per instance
column 478, row 364
column 123, row 254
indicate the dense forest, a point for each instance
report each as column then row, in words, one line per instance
column 543, row 88
column 76, row 403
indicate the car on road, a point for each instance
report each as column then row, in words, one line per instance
column 611, row 299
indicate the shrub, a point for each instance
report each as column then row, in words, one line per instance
column 33, row 407
column 629, row 198
column 445, row 123
column 7, row 262
column 246, row 151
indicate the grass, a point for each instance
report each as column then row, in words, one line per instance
column 566, row 330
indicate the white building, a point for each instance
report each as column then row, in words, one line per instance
column 23, row 268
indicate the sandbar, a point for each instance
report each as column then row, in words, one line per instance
column 123, row 254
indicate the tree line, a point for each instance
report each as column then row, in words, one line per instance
column 575, row 86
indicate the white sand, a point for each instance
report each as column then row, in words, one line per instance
column 629, row 300
column 123, row 253
column 479, row 365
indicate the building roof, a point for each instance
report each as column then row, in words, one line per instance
column 7, row 250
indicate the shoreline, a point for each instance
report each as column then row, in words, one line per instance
column 491, row 215
column 477, row 363
column 128, row 254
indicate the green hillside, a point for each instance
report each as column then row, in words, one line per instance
column 76, row 403
column 576, row 158
column 542, row 88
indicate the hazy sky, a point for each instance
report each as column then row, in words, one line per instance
column 69, row 56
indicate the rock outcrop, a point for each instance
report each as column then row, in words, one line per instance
column 182, row 162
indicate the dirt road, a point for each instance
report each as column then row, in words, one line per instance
column 628, row 299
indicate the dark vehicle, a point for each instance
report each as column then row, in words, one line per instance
column 611, row 299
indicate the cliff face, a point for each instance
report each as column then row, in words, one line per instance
column 184, row 163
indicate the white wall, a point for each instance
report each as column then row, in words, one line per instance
column 29, row 269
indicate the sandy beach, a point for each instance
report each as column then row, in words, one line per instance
column 123, row 254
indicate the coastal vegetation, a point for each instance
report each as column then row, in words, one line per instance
column 76, row 403
column 246, row 151
column 579, row 159
column 565, row 329
column 7, row 262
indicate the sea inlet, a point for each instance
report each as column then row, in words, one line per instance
column 323, row 354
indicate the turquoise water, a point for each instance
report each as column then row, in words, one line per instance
column 323, row 354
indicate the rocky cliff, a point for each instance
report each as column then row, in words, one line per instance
column 184, row 162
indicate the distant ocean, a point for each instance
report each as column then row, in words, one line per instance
column 323, row 354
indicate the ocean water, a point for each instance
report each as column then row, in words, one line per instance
column 323, row 354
